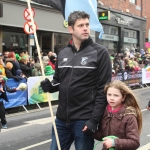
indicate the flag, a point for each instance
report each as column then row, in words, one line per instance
column 68, row 6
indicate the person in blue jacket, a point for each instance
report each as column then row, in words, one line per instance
column 3, row 96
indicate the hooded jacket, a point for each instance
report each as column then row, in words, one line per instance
column 82, row 76
column 122, row 124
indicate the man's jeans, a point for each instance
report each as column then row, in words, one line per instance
column 69, row 133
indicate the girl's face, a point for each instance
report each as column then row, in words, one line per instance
column 114, row 97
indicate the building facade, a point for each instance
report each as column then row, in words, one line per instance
column 128, row 25
column 51, row 32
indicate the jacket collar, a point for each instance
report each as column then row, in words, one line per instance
column 83, row 44
column 119, row 114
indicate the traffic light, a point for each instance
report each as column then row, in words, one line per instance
column 1, row 10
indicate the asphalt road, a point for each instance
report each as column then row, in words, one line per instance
column 32, row 131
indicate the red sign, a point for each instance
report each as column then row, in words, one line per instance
column 27, row 14
column 28, row 28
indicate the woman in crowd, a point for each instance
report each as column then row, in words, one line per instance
column 25, row 67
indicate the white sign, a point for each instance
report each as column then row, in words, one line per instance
column 123, row 22
column 27, row 14
column 15, row 44
column 130, row 40
column 110, row 37
column 138, row 7
column 28, row 28
column 146, row 75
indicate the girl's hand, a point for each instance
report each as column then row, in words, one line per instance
column 17, row 88
column 108, row 143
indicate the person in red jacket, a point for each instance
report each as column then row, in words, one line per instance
column 52, row 61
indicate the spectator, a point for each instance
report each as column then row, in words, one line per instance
column 122, row 64
column 45, row 60
column 15, row 63
column 2, row 65
column 20, row 75
column 25, row 67
column 50, row 54
column 8, row 71
column 37, row 70
column 21, row 53
column 52, row 62
column 148, row 106
column 3, row 97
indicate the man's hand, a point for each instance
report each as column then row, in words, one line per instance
column 108, row 143
column 88, row 131
column 46, row 85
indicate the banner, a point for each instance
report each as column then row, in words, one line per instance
column 129, row 78
column 17, row 98
column 133, row 78
column 35, row 93
column 146, row 75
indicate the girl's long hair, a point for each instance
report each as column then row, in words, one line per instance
column 130, row 99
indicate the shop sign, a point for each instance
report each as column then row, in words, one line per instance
column 1, row 10
column 65, row 24
column 130, row 40
column 123, row 22
column 110, row 37
column 104, row 15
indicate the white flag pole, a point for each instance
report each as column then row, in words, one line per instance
column 43, row 74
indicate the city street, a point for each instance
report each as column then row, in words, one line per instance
column 32, row 131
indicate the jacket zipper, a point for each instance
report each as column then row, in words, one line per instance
column 109, row 124
column 68, row 89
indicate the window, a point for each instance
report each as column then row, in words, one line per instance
column 132, row 1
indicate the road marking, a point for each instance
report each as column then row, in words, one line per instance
column 145, row 147
column 143, row 110
column 30, row 123
column 35, row 145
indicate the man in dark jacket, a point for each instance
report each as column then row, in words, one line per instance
column 82, row 70
column 3, row 89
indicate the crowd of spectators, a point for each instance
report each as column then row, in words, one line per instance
column 130, row 60
column 20, row 65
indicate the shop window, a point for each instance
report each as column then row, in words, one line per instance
column 110, row 30
column 14, row 41
column 46, row 42
column 60, row 40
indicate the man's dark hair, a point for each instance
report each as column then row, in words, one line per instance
column 74, row 16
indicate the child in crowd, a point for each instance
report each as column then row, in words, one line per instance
column 122, row 118
column 3, row 89
column 148, row 106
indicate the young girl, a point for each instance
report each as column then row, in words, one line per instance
column 122, row 118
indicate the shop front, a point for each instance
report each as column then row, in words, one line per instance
column 52, row 33
column 121, row 31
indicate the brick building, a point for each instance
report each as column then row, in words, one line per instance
column 128, row 26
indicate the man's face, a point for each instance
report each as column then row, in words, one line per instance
column 6, row 54
column 81, row 30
